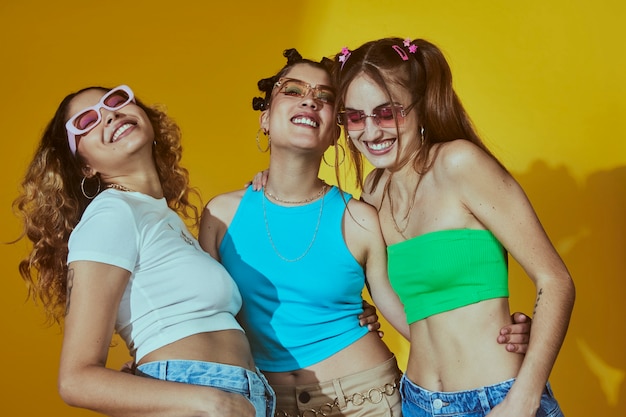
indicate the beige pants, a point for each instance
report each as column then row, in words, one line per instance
column 371, row 393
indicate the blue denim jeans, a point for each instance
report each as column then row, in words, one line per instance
column 252, row 385
column 418, row 402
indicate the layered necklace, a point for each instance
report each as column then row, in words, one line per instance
column 407, row 216
column 317, row 226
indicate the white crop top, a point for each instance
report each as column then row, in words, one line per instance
column 176, row 289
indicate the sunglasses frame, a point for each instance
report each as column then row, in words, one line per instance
column 398, row 110
column 73, row 131
column 308, row 88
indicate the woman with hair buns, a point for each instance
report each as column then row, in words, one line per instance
column 450, row 213
column 101, row 202
column 301, row 252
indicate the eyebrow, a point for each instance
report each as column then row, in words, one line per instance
column 308, row 83
column 386, row 104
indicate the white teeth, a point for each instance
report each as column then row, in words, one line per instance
column 121, row 130
column 379, row 146
column 304, row 121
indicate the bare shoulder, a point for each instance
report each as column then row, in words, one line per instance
column 362, row 215
column 216, row 218
column 362, row 230
column 459, row 159
column 223, row 204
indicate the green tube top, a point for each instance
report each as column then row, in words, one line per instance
column 447, row 269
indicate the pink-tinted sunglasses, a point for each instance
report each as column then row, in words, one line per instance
column 88, row 118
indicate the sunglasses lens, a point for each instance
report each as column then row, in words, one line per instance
column 116, row 99
column 297, row 88
column 85, row 120
column 325, row 95
column 384, row 116
column 294, row 88
column 354, row 120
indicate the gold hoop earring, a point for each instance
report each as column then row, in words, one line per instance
column 82, row 189
column 422, row 132
column 258, row 141
column 343, row 155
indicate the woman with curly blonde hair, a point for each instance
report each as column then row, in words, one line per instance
column 102, row 202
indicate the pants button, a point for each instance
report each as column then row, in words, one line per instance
column 437, row 404
column 304, row 397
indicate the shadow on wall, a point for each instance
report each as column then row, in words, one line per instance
column 587, row 224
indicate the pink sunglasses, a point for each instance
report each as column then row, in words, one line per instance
column 88, row 118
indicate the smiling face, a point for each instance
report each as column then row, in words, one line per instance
column 301, row 111
column 118, row 133
column 383, row 147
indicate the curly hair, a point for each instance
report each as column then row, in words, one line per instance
column 426, row 75
column 51, row 201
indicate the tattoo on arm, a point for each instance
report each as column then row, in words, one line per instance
column 70, row 284
column 537, row 302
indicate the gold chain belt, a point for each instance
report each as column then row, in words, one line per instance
column 374, row 396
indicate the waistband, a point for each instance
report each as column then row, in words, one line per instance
column 369, row 386
column 195, row 372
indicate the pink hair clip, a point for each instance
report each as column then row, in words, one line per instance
column 407, row 44
column 345, row 54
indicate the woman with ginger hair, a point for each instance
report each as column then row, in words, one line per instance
column 101, row 203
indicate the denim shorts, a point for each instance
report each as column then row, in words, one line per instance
column 418, row 402
column 251, row 385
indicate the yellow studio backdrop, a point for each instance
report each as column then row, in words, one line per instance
column 544, row 82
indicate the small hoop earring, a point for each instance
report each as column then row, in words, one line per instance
column 343, row 155
column 82, row 189
column 422, row 132
column 258, row 141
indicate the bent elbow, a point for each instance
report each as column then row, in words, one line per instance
column 69, row 390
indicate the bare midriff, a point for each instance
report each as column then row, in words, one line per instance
column 458, row 350
column 364, row 354
column 229, row 347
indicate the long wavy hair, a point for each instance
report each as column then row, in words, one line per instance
column 426, row 75
column 51, row 202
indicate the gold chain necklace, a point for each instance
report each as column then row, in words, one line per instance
column 307, row 200
column 269, row 234
column 119, row 187
column 407, row 216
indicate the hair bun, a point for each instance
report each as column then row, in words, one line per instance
column 258, row 103
column 292, row 56
column 266, row 84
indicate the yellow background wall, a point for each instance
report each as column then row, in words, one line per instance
column 544, row 81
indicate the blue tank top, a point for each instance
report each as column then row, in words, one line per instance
column 447, row 269
column 297, row 310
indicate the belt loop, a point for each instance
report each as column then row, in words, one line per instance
column 163, row 370
column 341, row 397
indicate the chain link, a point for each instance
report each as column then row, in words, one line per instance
column 374, row 396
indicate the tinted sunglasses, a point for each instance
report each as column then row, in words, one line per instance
column 298, row 88
column 86, row 119
column 384, row 116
